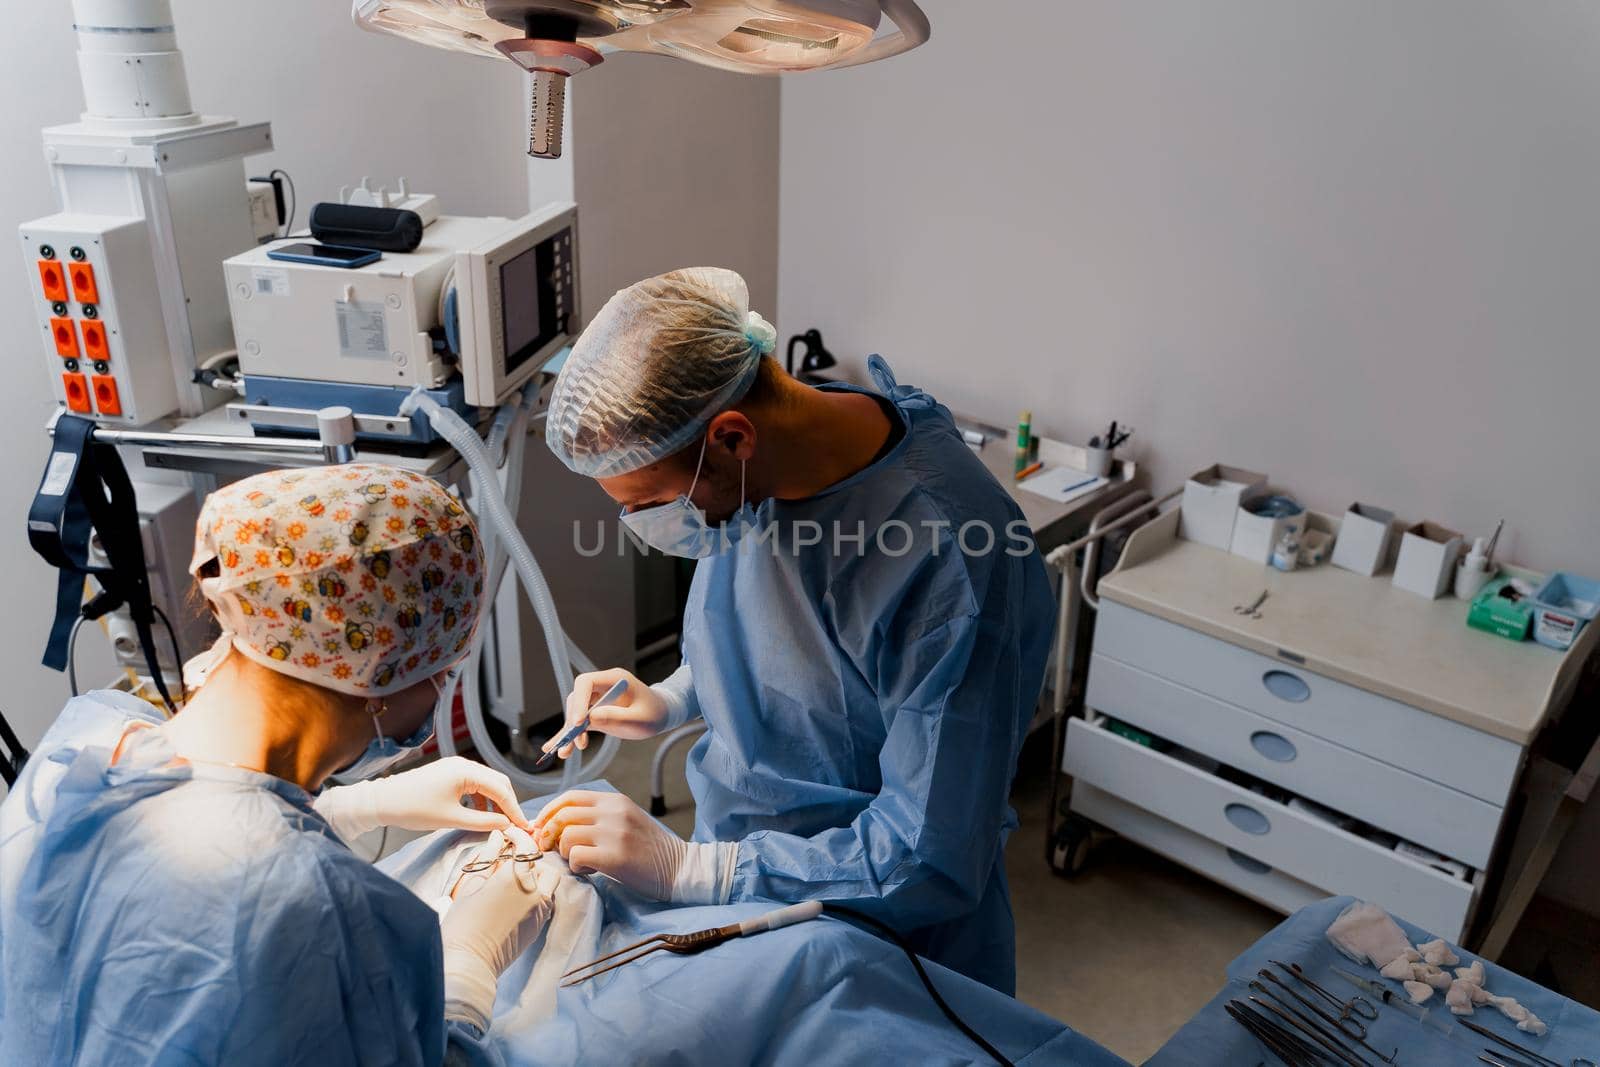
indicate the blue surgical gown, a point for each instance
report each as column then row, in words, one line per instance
column 158, row 912
column 867, row 661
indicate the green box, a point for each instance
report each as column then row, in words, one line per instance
column 1501, row 615
column 1131, row 733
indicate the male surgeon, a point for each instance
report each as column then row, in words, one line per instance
column 865, row 635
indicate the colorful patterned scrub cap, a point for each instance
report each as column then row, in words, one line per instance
column 362, row 578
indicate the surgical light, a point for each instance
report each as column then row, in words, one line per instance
column 555, row 39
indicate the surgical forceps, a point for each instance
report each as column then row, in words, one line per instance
column 1356, row 1005
column 1254, row 610
column 1332, row 1047
column 1358, row 1035
column 508, row 851
column 1284, row 1043
column 691, row 943
column 1542, row 1061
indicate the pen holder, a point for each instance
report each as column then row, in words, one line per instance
column 1097, row 461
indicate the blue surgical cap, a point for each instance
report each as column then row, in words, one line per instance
column 661, row 359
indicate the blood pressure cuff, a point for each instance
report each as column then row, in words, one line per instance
column 86, row 491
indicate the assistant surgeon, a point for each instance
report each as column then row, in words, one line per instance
column 180, row 891
column 865, row 636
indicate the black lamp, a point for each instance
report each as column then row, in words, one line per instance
column 816, row 358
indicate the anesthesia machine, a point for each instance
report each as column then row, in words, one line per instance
column 187, row 331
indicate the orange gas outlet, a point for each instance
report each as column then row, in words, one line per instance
column 83, row 284
column 94, row 339
column 66, row 340
column 77, row 393
column 106, row 401
column 53, row 279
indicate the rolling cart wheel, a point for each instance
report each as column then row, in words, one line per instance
column 1069, row 852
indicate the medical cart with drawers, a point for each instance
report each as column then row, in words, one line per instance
column 1286, row 752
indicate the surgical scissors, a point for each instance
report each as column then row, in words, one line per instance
column 1356, row 1005
column 1254, row 610
column 698, row 941
column 1358, row 1035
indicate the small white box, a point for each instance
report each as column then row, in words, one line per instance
column 1365, row 536
column 1255, row 536
column 1211, row 503
column 1427, row 560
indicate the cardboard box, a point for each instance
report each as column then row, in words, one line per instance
column 1255, row 536
column 1499, row 615
column 1211, row 503
column 1365, row 537
column 1427, row 560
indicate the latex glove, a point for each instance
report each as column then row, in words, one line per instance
column 495, row 915
column 427, row 798
column 639, row 713
column 608, row 833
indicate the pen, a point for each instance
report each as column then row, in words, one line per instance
column 1030, row 469
column 580, row 726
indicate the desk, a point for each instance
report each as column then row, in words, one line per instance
column 1052, row 524
column 1211, row 1037
column 1345, row 692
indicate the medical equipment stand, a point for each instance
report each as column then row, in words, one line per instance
column 1067, row 842
column 12, row 754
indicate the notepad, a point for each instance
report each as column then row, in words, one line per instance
column 1061, row 484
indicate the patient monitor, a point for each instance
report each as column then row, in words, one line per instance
column 493, row 298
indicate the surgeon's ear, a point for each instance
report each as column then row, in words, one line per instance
column 733, row 434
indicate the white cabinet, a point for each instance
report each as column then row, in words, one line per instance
column 1387, row 710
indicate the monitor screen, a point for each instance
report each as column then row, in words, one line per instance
column 524, row 305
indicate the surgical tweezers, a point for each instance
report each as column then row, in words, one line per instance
column 1254, row 610
column 698, row 941
column 1540, row 1060
column 1309, row 1027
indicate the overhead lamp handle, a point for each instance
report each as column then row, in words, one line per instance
column 911, row 29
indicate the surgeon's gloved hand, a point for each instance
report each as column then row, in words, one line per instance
column 639, row 713
column 427, row 798
column 610, row 834
column 494, row 915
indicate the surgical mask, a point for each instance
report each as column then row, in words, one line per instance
column 680, row 528
column 384, row 752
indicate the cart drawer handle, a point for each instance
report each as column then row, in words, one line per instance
column 1246, row 818
column 1275, row 747
column 1249, row 863
column 1286, row 686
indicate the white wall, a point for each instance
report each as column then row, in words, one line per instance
column 1353, row 244
column 342, row 103
column 676, row 166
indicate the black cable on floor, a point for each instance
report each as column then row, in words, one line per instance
column 949, row 1012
